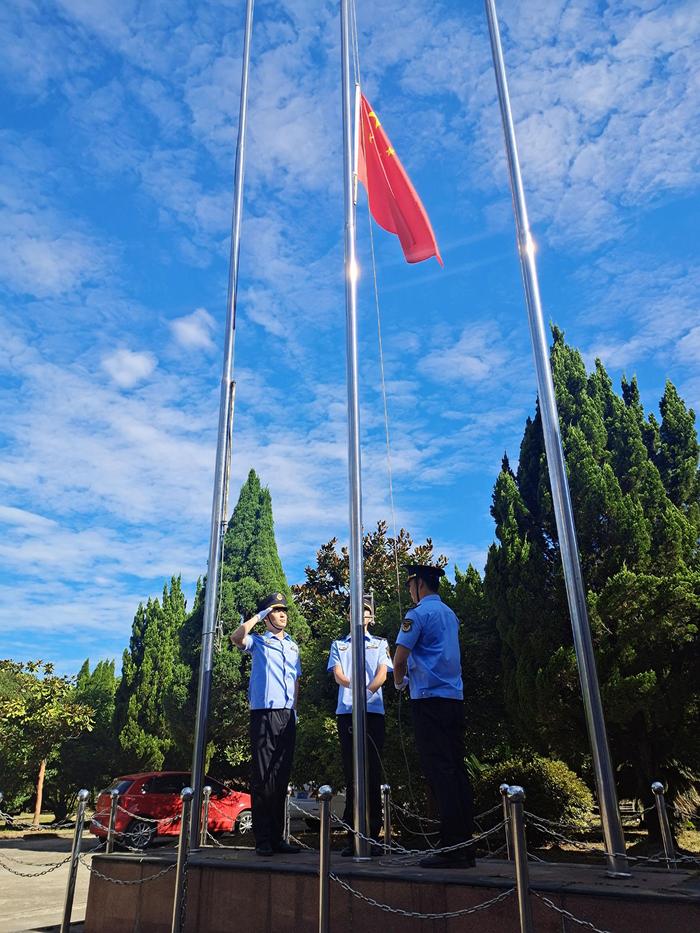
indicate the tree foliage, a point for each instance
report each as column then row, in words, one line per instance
column 636, row 497
column 148, row 671
column 87, row 760
column 38, row 711
column 634, row 488
column 323, row 598
column 251, row 569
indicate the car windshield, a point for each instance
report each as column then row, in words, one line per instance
column 120, row 785
column 217, row 789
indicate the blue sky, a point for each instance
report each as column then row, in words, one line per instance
column 117, row 146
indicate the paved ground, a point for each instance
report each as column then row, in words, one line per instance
column 31, row 904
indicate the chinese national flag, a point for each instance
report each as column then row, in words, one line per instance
column 393, row 200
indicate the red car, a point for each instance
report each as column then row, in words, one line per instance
column 150, row 806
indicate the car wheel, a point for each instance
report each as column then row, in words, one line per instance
column 244, row 822
column 140, row 834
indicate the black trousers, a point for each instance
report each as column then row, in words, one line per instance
column 272, row 736
column 375, row 745
column 438, row 725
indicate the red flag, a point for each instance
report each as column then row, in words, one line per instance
column 393, row 200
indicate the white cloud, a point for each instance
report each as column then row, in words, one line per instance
column 477, row 357
column 127, row 367
column 194, row 331
column 27, row 521
column 689, row 346
column 36, row 262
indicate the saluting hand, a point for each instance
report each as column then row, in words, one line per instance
column 264, row 614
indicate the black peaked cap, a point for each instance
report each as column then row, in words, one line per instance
column 427, row 572
column 273, row 601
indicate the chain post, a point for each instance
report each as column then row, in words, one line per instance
column 666, row 834
column 516, row 796
column 325, row 794
column 386, row 799
column 287, row 813
column 183, row 851
column 113, row 805
column 74, row 857
column 507, row 829
column 206, row 797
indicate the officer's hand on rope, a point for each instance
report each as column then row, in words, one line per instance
column 402, row 685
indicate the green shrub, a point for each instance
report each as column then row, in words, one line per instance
column 552, row 790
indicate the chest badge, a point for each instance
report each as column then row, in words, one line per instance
column 343, row 647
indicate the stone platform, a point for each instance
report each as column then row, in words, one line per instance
column 232, row 889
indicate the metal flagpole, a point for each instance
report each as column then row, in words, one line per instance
column 218, row 516
column 575, row 592
column 359, row 698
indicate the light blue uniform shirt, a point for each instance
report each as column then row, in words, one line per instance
column 274, row 672
column 429, row 631
column 376, row 653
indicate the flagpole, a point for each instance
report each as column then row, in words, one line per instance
column 218, row 509
column 359, row 697
column 566, row 529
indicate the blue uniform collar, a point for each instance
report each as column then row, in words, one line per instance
column 268, row 634
column 348, row 637
column 429, row 596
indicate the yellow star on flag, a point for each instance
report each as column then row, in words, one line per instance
column 390, row 151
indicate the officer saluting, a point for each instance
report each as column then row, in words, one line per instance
column 273, row 692
column 428, row 647
column 377, row 663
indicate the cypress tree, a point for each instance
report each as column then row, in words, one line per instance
column 88, row 760
column 251, row 569
column 148, row 670
column 635, row 495
column 678, row 451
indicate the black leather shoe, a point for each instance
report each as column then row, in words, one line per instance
column 287, row 848
column 264, row 849
column 446, row 860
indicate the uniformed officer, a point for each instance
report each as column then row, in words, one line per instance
column 427, row 648
column 377, row 663
column 273, row 694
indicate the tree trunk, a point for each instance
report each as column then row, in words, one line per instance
column 39, row 793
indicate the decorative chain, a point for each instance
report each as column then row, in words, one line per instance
column 416, row 816
column 394, row 847
column 495, row 851
column 213, row 806
column 18, row 861
column 215, row 841
column 567, row 914
column 300, row 843
column 148, row 819
column 539, row 823
column 34, row 874
column 123, row 834
column 95, row 871
column 183, row 902
column 445, row 915
column 26, row 827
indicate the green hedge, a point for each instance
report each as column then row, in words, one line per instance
column 552, row 790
